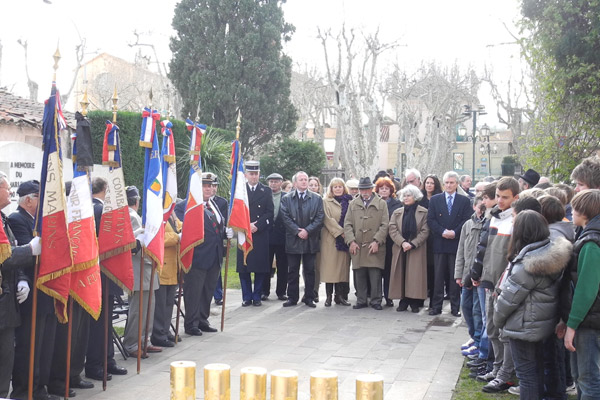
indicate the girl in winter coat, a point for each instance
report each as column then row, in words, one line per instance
column 527, row 308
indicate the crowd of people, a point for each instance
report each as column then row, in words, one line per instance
column 515, row 257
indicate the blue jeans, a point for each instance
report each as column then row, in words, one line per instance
column 484, row 343
column 470, row 303
column 585, row 363
column 554, row 369
column 529, row 365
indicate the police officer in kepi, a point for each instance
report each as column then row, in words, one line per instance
column 260, row 202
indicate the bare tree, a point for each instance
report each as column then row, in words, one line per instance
column 353, row 77
column 31, row 85
column 428, row 108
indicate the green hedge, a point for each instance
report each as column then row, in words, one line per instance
column 130, row 125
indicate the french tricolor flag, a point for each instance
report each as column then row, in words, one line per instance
column 239, row 214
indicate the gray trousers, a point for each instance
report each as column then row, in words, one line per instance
column 7, row 355
column 363, row 276
column 198, row 288
column 163, row 311
column 130, row 338
column 503, row 361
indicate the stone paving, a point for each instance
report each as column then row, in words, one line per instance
column 418, row 355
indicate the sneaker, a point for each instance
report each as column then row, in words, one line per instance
column 476, row 363
column 477, row 371
column 572, row 390
column 470, row 351
column 514, row 390
column 487, row 377
column 467, row 344
column 496, row 386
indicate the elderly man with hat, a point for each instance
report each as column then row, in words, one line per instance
column 365, row 232
column 260, row 203
column 19, row 229
column 201, row 280
column 352, row 185
column 130, row 338
column 529, row 179
column 302, row 212
column 277, row 242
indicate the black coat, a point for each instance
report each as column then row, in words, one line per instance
column 260, row 203
column 277, row 235
column 438, row 220
column 210, row 252
column 12, row 273
column 312, row 213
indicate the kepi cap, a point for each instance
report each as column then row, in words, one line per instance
column 28, row 187
column 252, row 165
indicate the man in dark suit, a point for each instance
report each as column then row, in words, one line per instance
column 448, row 211
column 201, row 280
column 222, row 207
column 94, row 364
column 22, row 223
column 260, row 203
column 277, row 242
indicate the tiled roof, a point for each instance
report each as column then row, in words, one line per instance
column 21, row 111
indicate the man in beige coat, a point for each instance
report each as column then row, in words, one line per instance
column 365, row 230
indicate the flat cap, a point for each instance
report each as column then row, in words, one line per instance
column 274, row 175
column 352, row 183
column 28, row 187
column 132, row 192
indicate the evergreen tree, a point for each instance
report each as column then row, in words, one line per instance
column 227, row 56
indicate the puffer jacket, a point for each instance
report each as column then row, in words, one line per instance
column 527, row 308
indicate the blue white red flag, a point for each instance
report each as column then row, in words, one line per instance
column 152, row 210
column 239, row 212
column 169, row 169
column 115, row 236
column 86, row 288
column 56, row 261
column 192, row 233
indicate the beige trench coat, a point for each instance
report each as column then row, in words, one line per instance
column 365, row 225
column 410, row 280
column 335, row 264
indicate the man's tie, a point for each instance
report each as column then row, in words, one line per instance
column 300, row 201
column 449, row 205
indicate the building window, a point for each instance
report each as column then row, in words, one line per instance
column 459, row 161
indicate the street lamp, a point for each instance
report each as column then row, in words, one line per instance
column 462, row 131
column 486, row 148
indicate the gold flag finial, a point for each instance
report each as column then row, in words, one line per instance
column 84, row 102
column 56, row 57
column 237, row 129
column 115, row 99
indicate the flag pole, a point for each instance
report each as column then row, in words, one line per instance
column 180, row 289
column 237, row 137
column 36, row 271
column 68, row 359
column 148, row 309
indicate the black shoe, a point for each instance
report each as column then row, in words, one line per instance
column 310, row 303
column 358, row 306
column 289, row 303
column 219, row 302
column 246, row 303
column 477, row 372
column 434, row 312
column 97, row 375
column 476, row 363
column 282, row 298
column 162, row 343
column 377, row 307
column 57, row 391
column 264, row 297
column 257, row 303
column 172, row 338
column 402, row 307
column 316, row 299
column 194, row 332
column 81, row 384
column 207, row 328
column 116, row 370
column 343, row 302
column 456, row 314
column 389, row 303
column 415, row 309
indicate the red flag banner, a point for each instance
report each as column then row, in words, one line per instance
column 55, row 261
column 5, row 249
column 115, row 237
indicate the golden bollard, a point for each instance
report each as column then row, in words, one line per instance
column 323, row 385
column 369, row 387
column 217, row 382
column 183, row 380
column 284, row 384
column 253, row 383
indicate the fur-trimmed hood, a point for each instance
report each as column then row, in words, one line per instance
column 548, row 257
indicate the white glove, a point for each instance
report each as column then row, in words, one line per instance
column 229, row 233
column 140, row 238
column 36, row 246
column 179, row 234
column 22, row 291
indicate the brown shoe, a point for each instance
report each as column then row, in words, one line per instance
column 154, row 349
column 134, row 354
